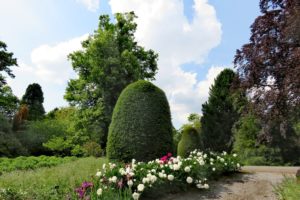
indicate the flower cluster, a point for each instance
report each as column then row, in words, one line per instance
column 136, row 177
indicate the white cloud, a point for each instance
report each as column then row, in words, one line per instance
column 91, row 5
column 50, row 68
column 51, row 62
column 163, row 27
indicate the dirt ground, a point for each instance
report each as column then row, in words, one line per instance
column 254, row 183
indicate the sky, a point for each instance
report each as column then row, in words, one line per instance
column 195, row 40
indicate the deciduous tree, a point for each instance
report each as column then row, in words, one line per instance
column 109, row 61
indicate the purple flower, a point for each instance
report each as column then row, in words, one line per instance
column 80, row 192
column 86, row 185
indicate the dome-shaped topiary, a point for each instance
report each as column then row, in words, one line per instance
column 189, row 141
column 141, row 126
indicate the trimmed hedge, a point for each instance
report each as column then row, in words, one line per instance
column 141, row 126
column 189, row 141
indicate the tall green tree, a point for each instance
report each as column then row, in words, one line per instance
column 110, row 60
column 34, row 99
column 6, row 61
column 8, row 102
column 219, row 114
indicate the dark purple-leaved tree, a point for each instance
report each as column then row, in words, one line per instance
column 269, row 65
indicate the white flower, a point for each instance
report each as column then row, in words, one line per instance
column 238, row 165
column 225, row 164
column 141, row 187
column 187, row 169
column 145, row 180
column 189, row 180
column 161, row 175
column 201, row 162
column 199, row 186
column 114, row 179
column 206, row 186
column 99, row 191
column 135, row 196
column 153, row 178
column 170, row 177
column 214, row 169
column 130, row 183
column 176, row 167
column 122, row 171
column 103, row 166
column 211, row 160
column 98, row 174
column 234, row 155
column 222, row 159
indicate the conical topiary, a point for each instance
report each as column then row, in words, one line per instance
column 141, row 126
column 189, row 141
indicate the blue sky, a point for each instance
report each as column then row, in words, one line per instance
column 195, row 39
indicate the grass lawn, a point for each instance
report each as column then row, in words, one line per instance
column 52, row 183
column 289, row 189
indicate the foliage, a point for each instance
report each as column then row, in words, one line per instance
column 219, row 114
column 34, row 99
column 190, row 140
column 9, row 144
column 71, row 141
column 289, row 189
column 269, row 65
column 141, row 117
column 39, row 132
column 136, row 179
column 92, row 149
column 110, row 60
column 6, row 61
column 20, row 118
column 26, row 163
column 57, row 182
column 8, row 102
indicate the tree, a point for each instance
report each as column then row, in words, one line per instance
column 8, row 102
column 110, row 60
column 219, row 114
column 6, row 61
column 269, row 65
column 34, row 99
column 141, row 126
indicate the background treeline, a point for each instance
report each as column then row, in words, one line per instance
column 253, row 111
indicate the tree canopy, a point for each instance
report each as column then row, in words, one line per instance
column 34, row 99
column 110, row 60
column 269, row 65
column 219, row 114
column 6, row 61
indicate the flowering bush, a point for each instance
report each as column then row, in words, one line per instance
column 131, row 180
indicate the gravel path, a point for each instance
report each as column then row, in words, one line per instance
column 255, row 183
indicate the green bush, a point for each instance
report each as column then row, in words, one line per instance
column 39, row 132
column 10, row 146
column 189, row 141
column 31, row 162
column 92, row 149
column 141, row 126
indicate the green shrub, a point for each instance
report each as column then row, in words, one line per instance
column 141, row 125
column 10, row 146
column 189, row 141
column 92, row 149
column 39, row 132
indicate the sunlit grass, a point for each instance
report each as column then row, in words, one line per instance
column 49, row 183
column 289, row 189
